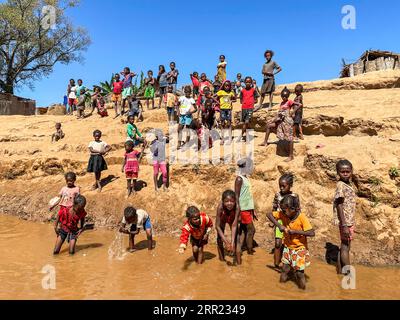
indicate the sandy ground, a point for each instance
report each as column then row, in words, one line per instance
column 31, row 168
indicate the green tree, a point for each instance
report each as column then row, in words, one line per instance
column 34, row 36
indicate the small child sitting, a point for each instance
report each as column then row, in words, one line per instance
column 134, row 220
column 59, row 134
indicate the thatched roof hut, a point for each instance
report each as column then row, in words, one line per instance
column 371, row 60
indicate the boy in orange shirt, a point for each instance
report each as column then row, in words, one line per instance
column 296, row 229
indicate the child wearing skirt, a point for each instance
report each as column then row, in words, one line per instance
column 97, row 163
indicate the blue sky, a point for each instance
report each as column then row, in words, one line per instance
column 306, row 35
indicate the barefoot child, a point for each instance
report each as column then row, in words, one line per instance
column 171, row 101
column 244, row 197
column 127, row 89
column 285, row 185
column 133, row 132
column 186, row 108
column 158, row 151
column 68, row 220
column 298, row 115
column 99, row 103
column 197, row 228
column 97, row 164
column 67, row 193
column 344, row 209
column 227, row 213
column 248, row 98
column 117, row 87
column 226, row 96
column 134, row 220
column 131, row 166
column 163, row 83
column 296, row 229
column 80, row 108
column 196, row 84
column 221, row 68
column 282, row 124
column 71, row 92
column 149, row 92
column 135, row 108
column 59, row 134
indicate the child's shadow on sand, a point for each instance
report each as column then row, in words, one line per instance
column 206, row 256
column 140, row 184
column 107, row 180
column 142, row 245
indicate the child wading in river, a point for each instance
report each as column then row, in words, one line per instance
column 97, row 164
column 344, row 209
column 134, row 220
column 197, row 228
column 227, row 213
column 244, row 197
column 296, row 228
column 285, row 185
column 68, row 220
column 131, row 166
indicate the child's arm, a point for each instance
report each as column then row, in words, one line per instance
column 208, row 228
column 235, row 225
column 122, row 228
column 308, row 233
column 184, row 239
column 218, row 225
column 238, row 186
column 107, row 149
column 82, row 224
column 276, row 223
column 92, row 151
column 123, row 165
column 339, row 207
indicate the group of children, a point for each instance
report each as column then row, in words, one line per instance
column 236, row 209
column 198, row 107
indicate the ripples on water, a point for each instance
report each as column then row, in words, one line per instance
column 101, row 268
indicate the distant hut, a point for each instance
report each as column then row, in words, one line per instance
column 371, row 60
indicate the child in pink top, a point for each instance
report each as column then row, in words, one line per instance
column 131, row 166
column 67, row 193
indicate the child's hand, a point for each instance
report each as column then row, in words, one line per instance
column 205, row 238
column 291, row 232
column 282, row 229
column 181, row 250
column 229, row 246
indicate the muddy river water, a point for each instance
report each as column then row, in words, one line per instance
column 101, row 269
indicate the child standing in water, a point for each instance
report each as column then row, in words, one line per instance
column 298, row 115
column 131, row 166
column 134, row 220
column 68, row 220
column 248, row 98
column 227, row 213
column 117, row 87
column 296, row 228
column 221, row 68
column 344, row 209
column 285, row 185
column 149, row 93
column 244, row 197
column 226, row 97
column 158, row 151
column 97, row 164
column 197, row 228
column 59, row 134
